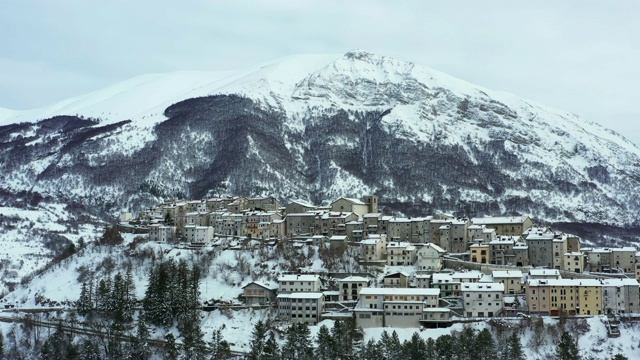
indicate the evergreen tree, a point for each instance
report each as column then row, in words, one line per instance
column 567, row 349
column 139, row 348
column 415, row 349
column 430, row 349
column 59, row 346
column 1, row 345
column 619, row 356
column 371, row 350
column 514, row 348
column 171, row 351
column 257, row 341
column 193, row 344
column 485, row 346
column 325, row 344
column 466, row 343
column 85, row 302
column 391, row 346
column 220, row 348
column 271, row 349
column 89, row 350
column 445, row 347
column 298, row 343
column 103, row 296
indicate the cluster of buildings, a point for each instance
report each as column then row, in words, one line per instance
column 431, row 300
column 512, row 240
column 523, row 265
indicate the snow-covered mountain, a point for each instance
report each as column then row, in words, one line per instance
column 316, row 128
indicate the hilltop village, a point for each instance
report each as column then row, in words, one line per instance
column 433, row 270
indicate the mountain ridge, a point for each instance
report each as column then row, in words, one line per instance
column 320, row 127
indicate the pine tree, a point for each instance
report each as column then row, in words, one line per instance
column 445, row 347
column 416, row 348
column 1, row 345
column 298, row 343
column 88, row 350
column 85, row 302
column 103, row 296
column 325, row 344
column 171, row 351
column 466, row 343
column 514, row 348
column 271, row 349
column 485, row 346
column 257, row 341
column 139, row 348
column 193, row 344
column 567, row 349
column 391, row 346
column 371, row 350
column 430, row 350
column 220, row 348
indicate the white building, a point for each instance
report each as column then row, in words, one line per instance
column 511, row 279
column 299, row 283
column 373, row 248
column 482, row 299
column 350, row 287
column 401, row 254
column 429, row 257
column 395, row 307
column 300, row 307
column 620, row 296
column 198, row 234
column 162, row 233
column 542, row 274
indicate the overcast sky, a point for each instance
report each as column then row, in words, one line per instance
column 581, row 56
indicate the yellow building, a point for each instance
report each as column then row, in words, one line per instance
column 571, row 296
column 480, row 253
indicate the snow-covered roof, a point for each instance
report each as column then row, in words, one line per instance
column 372, row 215
column 482, row 287
column 397, row 274
column 499, row 220
column 544, row 272
column 399, row 291
column 293, row 277
column 564, row 282
column 467, row 275
column 338, row 238
column 261, row 284
column 351, row 200
column 354, row 279
column 507, row 274
column 303, row 203
column 620, row 282
column 395, row 244
column 301, row 295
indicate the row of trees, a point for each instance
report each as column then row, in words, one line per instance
column 113, row 298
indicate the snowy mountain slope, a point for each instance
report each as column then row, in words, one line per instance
column 320, row 127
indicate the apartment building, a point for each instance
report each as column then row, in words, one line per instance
column 298, row 307
column 510, row 279
column 299, row 283
column 540, row 243
column 570, row 296
column 351, row 286
column 401, row 254
column 394, row 307
column 446, row 284
column 505, row 225
column 161, row 233
column 620, row 296
column 482, row 299
column 373, row 248
column 574, row 262
column 429, row 257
